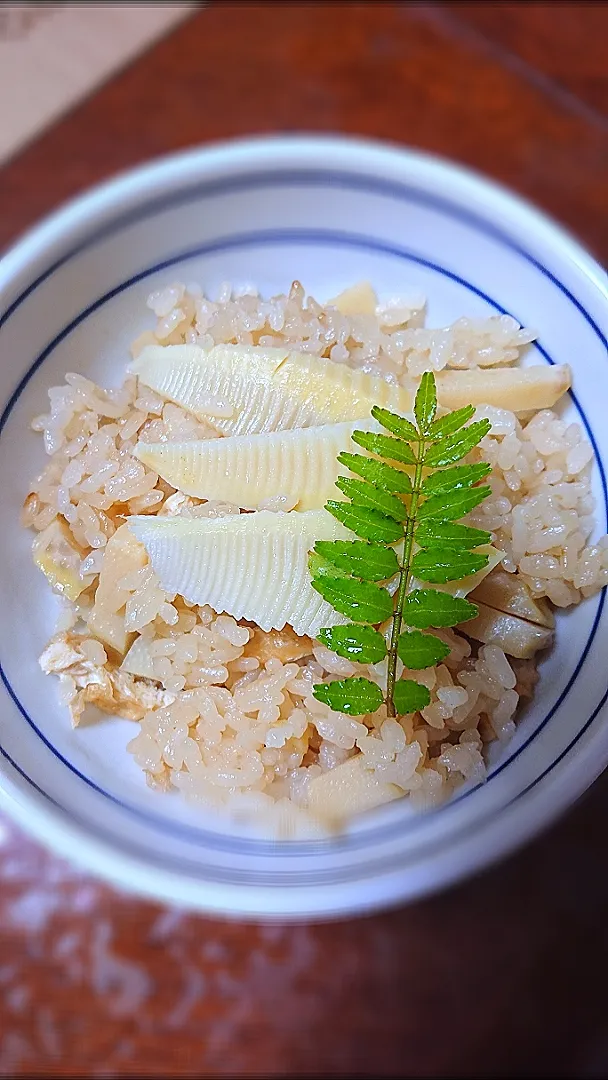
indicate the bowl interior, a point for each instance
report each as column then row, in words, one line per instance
column 327, row 224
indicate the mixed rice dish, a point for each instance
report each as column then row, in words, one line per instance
column 175, row 515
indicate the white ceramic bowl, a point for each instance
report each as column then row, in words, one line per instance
column 329, row 212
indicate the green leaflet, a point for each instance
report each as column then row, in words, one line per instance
column 447, row 425
column 384, row 476
column 384, row 446
column 397, row 424
column 360, row 601
column 320, row 567
column 410, row 696
column 362, row 493
column 453, row 504
column 429, row 607
column 372, row 562
column 439, row 565
column 425, row 405
column 368, row 524
column 460, row 476
column 448, row 450
column 433, row 533
column 418, row 650
column 355, row 696
column 417, row 511
column 360, row 643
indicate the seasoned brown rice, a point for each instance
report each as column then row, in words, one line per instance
column 225, row 712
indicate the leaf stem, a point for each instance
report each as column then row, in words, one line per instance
column 405, row 574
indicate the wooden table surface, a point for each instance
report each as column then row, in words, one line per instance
column 501, row 976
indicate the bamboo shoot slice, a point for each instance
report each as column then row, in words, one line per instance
column 359, row 299
column 246, row 389
column 248, row 469
column 516, row 389
column 506, row 592
column 516, row 637
column 347, row 790
column 59, row 559
column 252, row 566
column 122, row 555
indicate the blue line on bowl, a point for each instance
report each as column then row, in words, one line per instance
column 371, row 869
column 289, row 236
column 269, row 237
column 344, row 179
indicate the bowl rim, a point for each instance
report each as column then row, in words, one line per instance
column 76, row 220
column 261, row 151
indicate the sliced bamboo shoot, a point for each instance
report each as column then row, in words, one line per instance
column 506, row 592
column 516, row 637
column 516, row 389
column 248, row 469
column 245, row 389
column 252, row 566
column 359, row 299
column 123, row 554
column 138, row 660
column 348, row 789
column 59, row 559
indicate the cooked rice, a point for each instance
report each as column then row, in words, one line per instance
column 226, row 713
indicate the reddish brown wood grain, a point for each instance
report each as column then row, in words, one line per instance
column 568, row 43
column 391, row 71
column 504, row 975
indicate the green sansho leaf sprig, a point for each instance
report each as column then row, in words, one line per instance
column 404, row 504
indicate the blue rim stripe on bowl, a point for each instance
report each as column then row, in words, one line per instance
column 273, row 878
column 348, row 180
column 270, row 237
column 304, row 178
